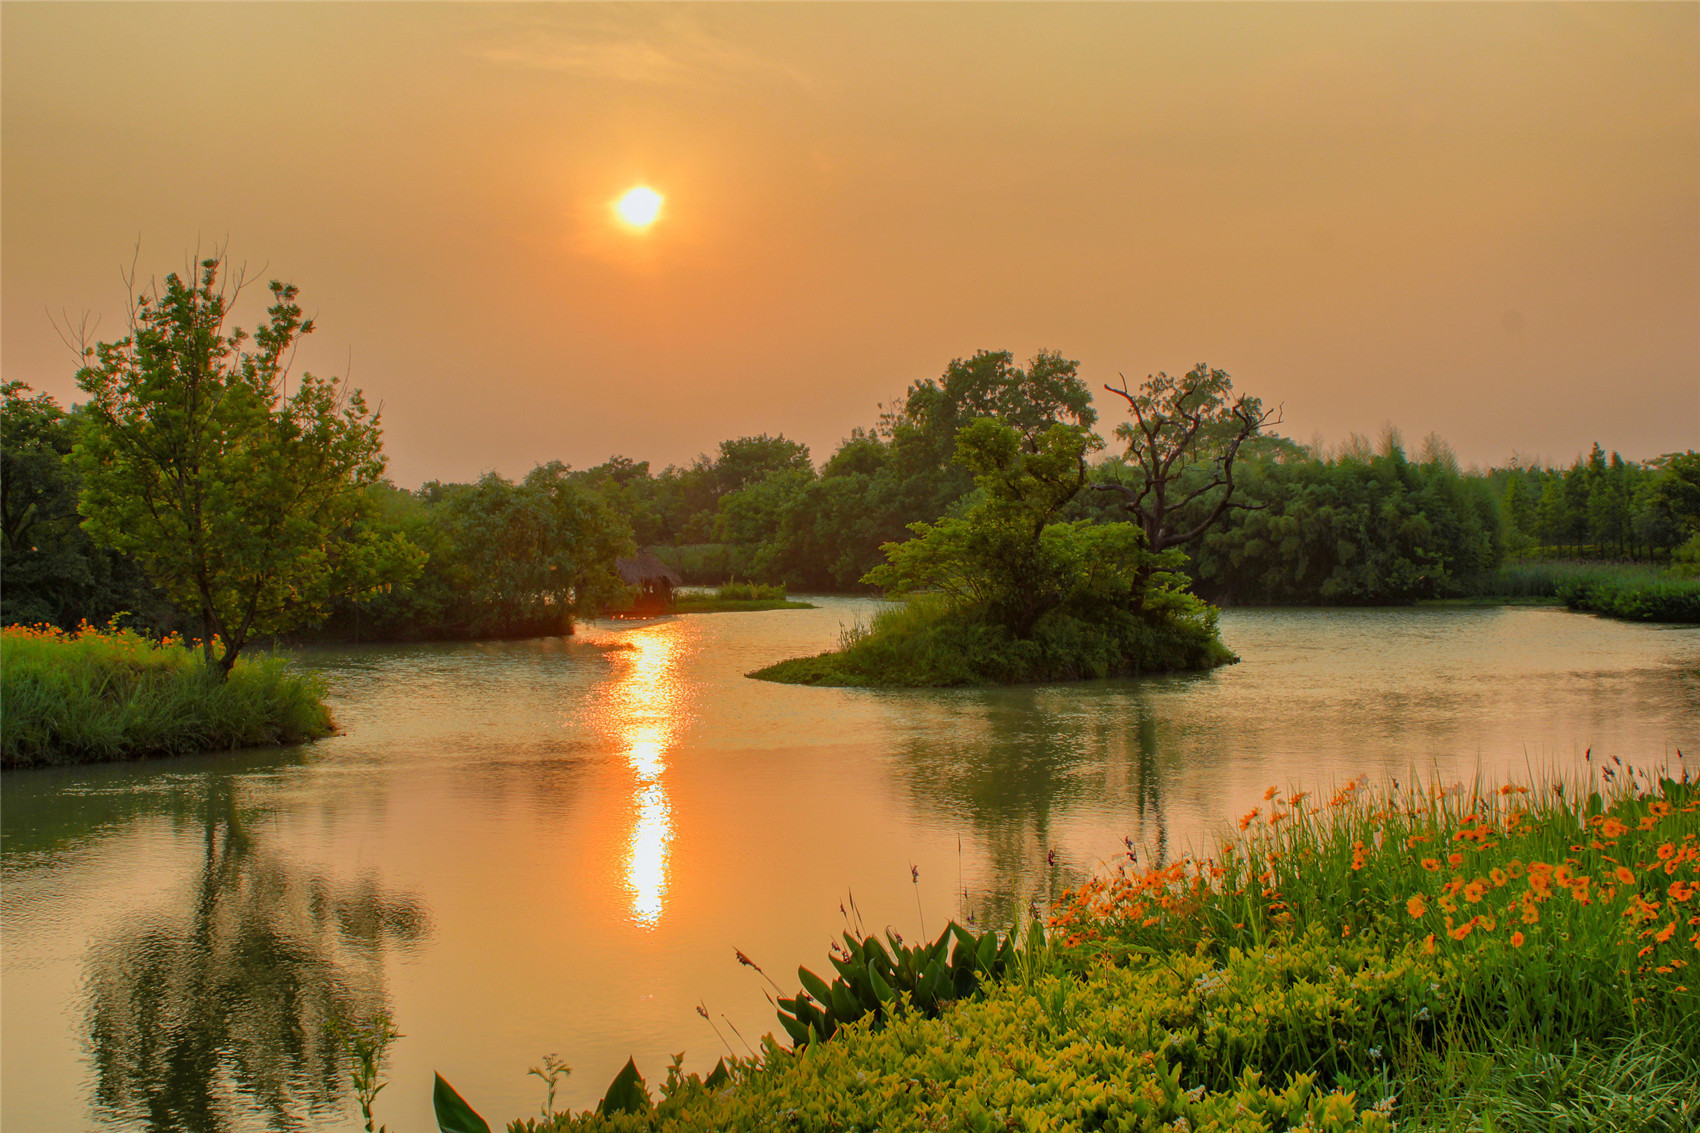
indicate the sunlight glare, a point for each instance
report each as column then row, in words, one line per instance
column 639, row 208
column 647, row 705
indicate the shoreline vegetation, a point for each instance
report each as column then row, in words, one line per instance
column 93, row 695
column 738, row 597
column 1445, row 958
column 924, row 642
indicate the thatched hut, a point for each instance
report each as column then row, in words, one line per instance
column 654, row 582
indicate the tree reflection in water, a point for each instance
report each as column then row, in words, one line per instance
column 1018, row 761
column 218, row 1018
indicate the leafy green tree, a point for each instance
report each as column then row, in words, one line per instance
column 53, row 571
column 1183, row 440
column 1364, row 527
column 236, row 496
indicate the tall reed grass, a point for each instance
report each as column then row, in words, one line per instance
column 92, row 695
column 1565, row 913
column 1633, row 591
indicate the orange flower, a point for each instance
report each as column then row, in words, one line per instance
column 1416, row 906
column 1250, row 816
column 1271, row 793
column 1531, row 915
column 1462, row 930
column 1428, row 943
column 1624, row 876
column 1563, row 874
column 1680, row 890
column 1612, row 828
column 1454, row 860
column 1665, row 852
column 1664, row 934
column 1411, row 842
column 1474, row 891
column 1430, row 864
column 1517, row 940
column 1498, row 878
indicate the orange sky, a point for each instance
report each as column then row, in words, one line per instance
column 1482, row 221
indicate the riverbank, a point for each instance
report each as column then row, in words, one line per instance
column 712, row 604
column 94, row 695
column 1630, row 591
column 1445, row 958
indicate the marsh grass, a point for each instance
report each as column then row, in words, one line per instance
column 738, row 596
column 1560, row 922
column 1634, row 591
column 92, row 695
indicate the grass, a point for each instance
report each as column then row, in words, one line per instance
column 738, row 596
column 94, row 695
column 925, row 643
column 1632, row 591
column 1454, row 959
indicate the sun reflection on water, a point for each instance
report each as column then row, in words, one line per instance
column 642, row 712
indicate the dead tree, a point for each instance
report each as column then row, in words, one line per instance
column 1181, row 427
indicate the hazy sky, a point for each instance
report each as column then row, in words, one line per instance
column 1482, row 221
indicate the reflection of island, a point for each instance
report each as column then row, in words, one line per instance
column 215, row 1017
column 1014, row 762
column 642, row 710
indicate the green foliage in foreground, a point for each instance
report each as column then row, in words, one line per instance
column 1443, row 960
column 92, row 696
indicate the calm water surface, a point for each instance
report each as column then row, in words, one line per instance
column 555, row 846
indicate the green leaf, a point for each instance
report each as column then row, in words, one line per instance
column 796, row 1028
column 717, row 1077
column 453, row 1114
column 627, row 1093
column 844, row 1004
column 814, row 985
column 881, row 988
column 987, row 952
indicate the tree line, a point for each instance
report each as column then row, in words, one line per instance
column 1258, row 517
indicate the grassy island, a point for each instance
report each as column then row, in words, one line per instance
column 1008, row 592
column 1449, row 958
column 734, row 597
column 94, row 695
column 928, row 643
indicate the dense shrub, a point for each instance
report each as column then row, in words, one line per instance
column 94, row 695
column 926, row 643
column 1642, row 600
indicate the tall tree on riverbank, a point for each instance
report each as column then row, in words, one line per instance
column 236, row 496
column 1183, row 440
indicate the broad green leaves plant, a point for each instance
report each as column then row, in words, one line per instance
column 234, row 494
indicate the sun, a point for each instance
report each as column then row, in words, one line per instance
column 639, row 207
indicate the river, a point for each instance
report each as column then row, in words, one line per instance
column 556, row 846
